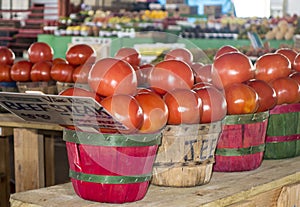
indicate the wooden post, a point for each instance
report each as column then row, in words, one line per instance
column 49, row 160
column 29, row 159
column 4, row 166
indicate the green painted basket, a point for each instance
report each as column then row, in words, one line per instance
column 283, row 132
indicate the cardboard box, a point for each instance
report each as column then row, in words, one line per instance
column 213, row 10
column 188, row 10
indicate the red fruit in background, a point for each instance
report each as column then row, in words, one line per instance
column 80, row 92
column 130, row 55
column 171, row 74
column 271, row 66
column 295, row 76
column 155, row 112
column 62, row 72
column 7, row 56
column 288, row 53
column 214, row 104
column 5, row 73
column 110, row 76
column 184, row 105
column 40, row 71
column 241, row 99
column 80, row 53
column 125, row 109
column 287, row 90
column 202, row 73
column 225, row 49
column 182, row 54
column 20, row 71
column 81, row 73
column 296, row 64
column 229, row 68
column 267, row 97
column 40, row 51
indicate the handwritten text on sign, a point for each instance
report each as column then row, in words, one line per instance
column 65, row 110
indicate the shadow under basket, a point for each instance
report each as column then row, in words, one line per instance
column 241, row 144
column 186, row 155
column 283, row 132
column 111, row 168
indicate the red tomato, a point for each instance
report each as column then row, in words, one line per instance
column 110, row 76
column 40, row 71
column 225, row 49
column 267, row 98
column 288, row 53
column 20, row 71
column 155, row 112
column 80, row 53
column 130, row 55
column 170, row 74
column 40, row 51
column 80, row 92
column 295, row 76
column 126, row 110
column 271, row 66
column 296, row 64
column 184, row 105
column 287, row 90
column 7, row 56
column 182, row 54
column 62, row 72
column 143, row 75
column 59, row 60
column 202, row 73
column 241, row 99
column 233, row 67
column 214, row 104
column 201, row 85
column 81, row 73
column 5, row 73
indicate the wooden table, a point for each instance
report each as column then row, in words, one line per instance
column 274, row 183
column 29, row 160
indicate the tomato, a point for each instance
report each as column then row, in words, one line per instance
column 81, row 73
column 59, row 60
column 202, row 73
column 295, row 76
column 241, row 99
column 182, row 54
column 110, row 76
column 288, row 53
column 155, row 112
column 170, row 74
column 73, row 91
column 287, row 90
column 126, row 110
column 184, row 105
column 40, row 51
column 40, row 71
column 20, row 71
column 296, row 64
column 80, row 53
column 225, row 49
column 271, row 66
column 5, row 73
column 62, row 72
column 201, row 85
column 143, row 75
column 214, row 104
column 7, row 56
column 130, row 55
column 233, row 67
column 267, row 97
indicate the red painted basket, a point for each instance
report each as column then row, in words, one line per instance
column 112, row 168
column 283, row 132
column 242, row 142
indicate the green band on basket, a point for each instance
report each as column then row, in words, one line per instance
column 116, row 140
column 107, row 179
column 240, row 151
column 245, row 118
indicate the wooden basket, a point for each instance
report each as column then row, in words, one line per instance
column 242, row 142
column 45, row 87
column 112, row 168
column 186, row 155
column 283, row 132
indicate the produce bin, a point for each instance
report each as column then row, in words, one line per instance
column 283, row 132
column 186, row 156
column 111, row 168
column 242, row 142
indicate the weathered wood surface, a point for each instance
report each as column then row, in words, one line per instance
column 275, row 182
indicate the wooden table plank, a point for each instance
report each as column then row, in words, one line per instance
column 224, row 189
column 4, row 172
